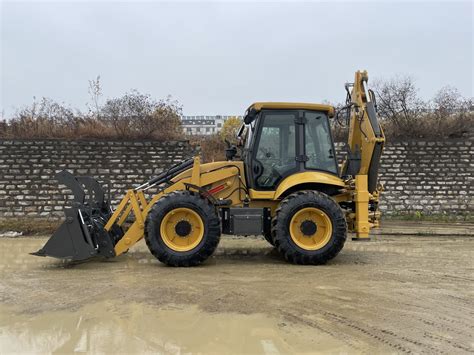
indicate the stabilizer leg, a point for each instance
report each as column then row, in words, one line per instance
column 362, row 225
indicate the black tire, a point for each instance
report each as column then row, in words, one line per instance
column 281, row 233
column 209, row 217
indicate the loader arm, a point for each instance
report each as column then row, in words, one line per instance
column 219, row 175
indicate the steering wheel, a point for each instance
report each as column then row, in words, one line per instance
column 273, row 175
column 257, row 169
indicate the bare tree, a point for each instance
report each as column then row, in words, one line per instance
column 448, row 100
column 95, row 93
column 452, row 115
column 137, row 115
column 405, row 115
column 398, row 104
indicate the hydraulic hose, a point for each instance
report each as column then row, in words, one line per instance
column 168, row 174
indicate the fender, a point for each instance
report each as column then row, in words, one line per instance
column 307, row 177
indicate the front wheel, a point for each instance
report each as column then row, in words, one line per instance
column 182, row 229
column 309, row 228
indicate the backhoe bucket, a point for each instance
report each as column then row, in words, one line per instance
column 82, row 235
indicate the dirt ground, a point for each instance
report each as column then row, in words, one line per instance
column 397, row 294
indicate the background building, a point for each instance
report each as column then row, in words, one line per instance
column 203, row 125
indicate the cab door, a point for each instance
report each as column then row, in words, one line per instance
column 272, row 150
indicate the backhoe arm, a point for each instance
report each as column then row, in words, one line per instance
column 366, row 140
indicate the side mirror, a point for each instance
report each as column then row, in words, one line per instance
column 250, row 116
column 230, row 152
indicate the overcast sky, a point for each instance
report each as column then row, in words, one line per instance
column 217, row 58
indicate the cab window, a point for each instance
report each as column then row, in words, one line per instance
column 318, row 143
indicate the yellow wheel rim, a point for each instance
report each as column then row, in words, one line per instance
column 182, row 229
column 310, row 228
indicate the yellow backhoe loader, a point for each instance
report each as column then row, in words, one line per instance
column 281, row 180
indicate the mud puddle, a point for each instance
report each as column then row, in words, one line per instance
column 390, row 295
column 113, row 327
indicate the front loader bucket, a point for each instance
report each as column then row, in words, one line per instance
column 82, row 235
column 69, row 241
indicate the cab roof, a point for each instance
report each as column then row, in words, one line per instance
column 257, row 106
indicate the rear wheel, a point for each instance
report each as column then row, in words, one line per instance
column 309, row 228
column 182, row 229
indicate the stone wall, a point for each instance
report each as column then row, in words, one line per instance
column 27, row 169
column 428, row 177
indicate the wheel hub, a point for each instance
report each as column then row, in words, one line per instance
column 308, row 227
column 183, row 228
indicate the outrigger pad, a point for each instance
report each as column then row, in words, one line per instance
column 69, row 241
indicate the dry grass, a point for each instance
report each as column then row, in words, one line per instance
column 431, row 126
column 212, row 147
column 132, row 116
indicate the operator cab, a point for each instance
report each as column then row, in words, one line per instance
column 281, row 139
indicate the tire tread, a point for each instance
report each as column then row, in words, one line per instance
column 211, row 236
column 280, row 231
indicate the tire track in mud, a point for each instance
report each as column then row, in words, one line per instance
column 295, row 317
column 349, row 331
column 425, row 314
column 440, row 326
column 350, row 340
column 457, row 346
column 421, row 313
column 453, row 321
column 381, row 335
